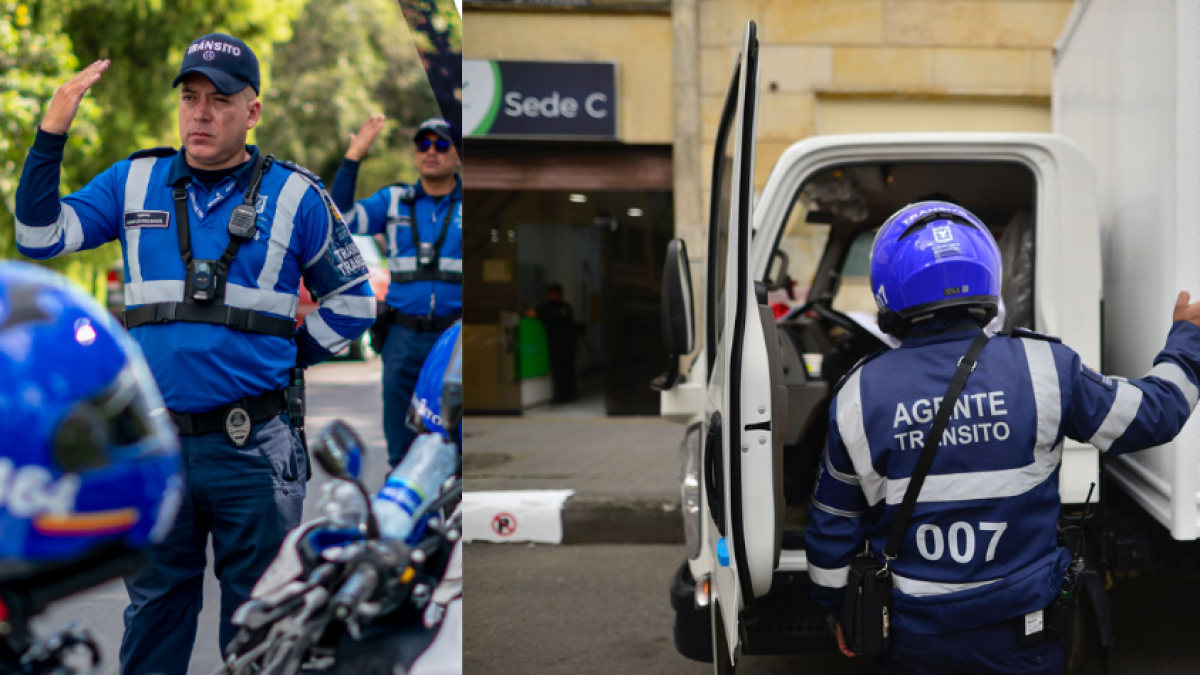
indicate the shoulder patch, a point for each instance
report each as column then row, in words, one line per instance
column 300, row 170
column 1026, row 333
column 861, row 362
column 154, row 152
column 1097, row 377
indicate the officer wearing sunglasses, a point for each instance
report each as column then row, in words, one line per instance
column 423, row 226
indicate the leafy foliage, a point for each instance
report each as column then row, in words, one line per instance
column 346, row 61
column 325, row 66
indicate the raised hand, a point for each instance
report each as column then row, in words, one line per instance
column 61, row 111
column 1185, row 311
column 361, row 142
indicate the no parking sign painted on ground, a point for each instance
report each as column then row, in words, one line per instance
column 514, row 515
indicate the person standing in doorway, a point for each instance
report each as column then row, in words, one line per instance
column 423, row 225
column 559, row 320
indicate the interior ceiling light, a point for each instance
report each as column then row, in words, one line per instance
column 578, row 198
column 634, row 213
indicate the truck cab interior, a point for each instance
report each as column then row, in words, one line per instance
column 820, row 271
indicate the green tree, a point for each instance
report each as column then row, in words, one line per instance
column 33, row 63
column 43, row 43
column 347, row 60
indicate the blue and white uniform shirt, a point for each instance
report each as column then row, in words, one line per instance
column 981, row 547
column 200, row 367
column 386, row 213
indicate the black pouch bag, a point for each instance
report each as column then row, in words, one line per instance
column 379, row 330
column 867, row 608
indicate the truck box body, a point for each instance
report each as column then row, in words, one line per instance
column 1127, row 90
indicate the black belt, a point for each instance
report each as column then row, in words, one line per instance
column 259, row 408
column 236, row 318
column 424, row 324
column 427, row 275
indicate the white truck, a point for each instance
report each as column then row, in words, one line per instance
column 1099, row 228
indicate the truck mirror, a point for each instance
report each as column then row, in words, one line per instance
column 678, row 313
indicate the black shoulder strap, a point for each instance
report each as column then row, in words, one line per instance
column 966, row 365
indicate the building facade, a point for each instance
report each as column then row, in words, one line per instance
column 549, row 200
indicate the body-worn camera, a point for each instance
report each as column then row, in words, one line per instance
column 203, row 280
column 425, row 254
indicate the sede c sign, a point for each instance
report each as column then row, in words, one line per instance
column 539, row 99
column 515, row 105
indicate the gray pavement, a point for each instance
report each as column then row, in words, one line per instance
column 579, row 610
column 623, row 471
column 340, row 389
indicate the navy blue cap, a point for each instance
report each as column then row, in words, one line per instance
column 434, row 125
column 225, row 60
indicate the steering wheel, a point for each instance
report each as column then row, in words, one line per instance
column 824, row 309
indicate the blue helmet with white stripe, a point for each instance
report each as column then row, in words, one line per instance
column 89, row 461
column 437, row 398
column 934, row 258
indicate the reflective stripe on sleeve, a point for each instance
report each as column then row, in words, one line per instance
column 323, row 334
column 355, row 306
column 854, row 437
column 1174, row 374
column 835, row 511
column 450, row 264
column 843, row 477
column 1122, row 413
column 834, row 578
column 67, row 225
column 359, row 214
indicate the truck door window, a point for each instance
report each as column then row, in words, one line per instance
column 854, row 291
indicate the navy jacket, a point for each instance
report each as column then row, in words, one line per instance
column 200, row 367
column 981, row 546
column 385, row 213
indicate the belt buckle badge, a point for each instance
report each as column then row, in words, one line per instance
column 237, row 425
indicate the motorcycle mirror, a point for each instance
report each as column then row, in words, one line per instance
column 339, row 451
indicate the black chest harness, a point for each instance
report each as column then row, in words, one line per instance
column 205, row 280
column 428, row 255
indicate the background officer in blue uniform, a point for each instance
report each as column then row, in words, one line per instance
column 423, row 225
column 215, row 239
column 980, row 554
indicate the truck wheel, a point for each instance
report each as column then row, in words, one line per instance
column 721, row 662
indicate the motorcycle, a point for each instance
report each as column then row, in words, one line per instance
column 339, row 598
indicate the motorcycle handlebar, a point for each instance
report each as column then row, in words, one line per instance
column 357, row 589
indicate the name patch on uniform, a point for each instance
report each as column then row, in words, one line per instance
column 157, row 219
column 1103, row 380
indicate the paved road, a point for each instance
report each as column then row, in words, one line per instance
column 602, row 609
column 346, row 390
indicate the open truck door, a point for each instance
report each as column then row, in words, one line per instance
column 742, row 451
column 737, row 380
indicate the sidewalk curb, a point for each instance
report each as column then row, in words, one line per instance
column 593, row 520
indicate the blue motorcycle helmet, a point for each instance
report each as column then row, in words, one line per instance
column 90, row 473
column 934, row 258
column 442, row 372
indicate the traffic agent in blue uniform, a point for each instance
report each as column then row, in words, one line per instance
column 215, row 238
column 980, row 562
column 423, row 226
